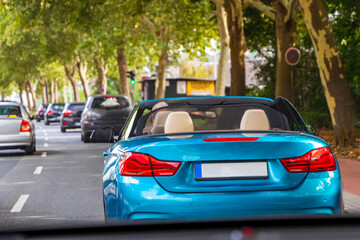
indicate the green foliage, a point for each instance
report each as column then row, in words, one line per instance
column 317, row 119
column 191, row 70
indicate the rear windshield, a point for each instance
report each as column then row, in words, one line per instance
column 10, row 112
column 57, row 107
column 110, row 102
column 242, row 117
column 76, row 107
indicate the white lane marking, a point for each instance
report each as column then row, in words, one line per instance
column 45, row 134
column 46, row 145
column 46, row 138
column 44, row 130
column 20, row 203
column 43, row 154
column 38, row 170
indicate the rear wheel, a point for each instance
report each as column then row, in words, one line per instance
column 31, row 149
column 86, row 138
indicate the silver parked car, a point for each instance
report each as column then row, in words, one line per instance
column 17, row 131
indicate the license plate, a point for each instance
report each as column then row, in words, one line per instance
column 238, row 170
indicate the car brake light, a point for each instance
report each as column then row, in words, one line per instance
column 139, row 164
column 25, row 126
column 87, row 116
column 41, row 111
column 68, row 112
column 109, row 96
column 317, row 160
column 50, row 111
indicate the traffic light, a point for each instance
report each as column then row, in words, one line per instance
column 131, row 75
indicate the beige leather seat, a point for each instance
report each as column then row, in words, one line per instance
column 159, row 122
column 178, row 122
column 255, row 119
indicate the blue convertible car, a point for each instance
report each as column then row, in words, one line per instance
column 218, row 157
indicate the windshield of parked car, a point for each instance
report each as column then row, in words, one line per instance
column 10, row 112
column 110, row 102
column 239, row 117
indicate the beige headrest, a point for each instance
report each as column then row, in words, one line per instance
column 159, row 122
column 255, row 119
column 178, row 122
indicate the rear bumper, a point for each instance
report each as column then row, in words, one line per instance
column 15, row 141
column 88, row 127
column 135, row 198
column 70, row 123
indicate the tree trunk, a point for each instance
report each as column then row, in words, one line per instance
column 160, row 84
column 122, row 67
column 224, row 40
column 52, row 97
column 70, row 72
column 101, row 76
column 47, row 91
column 28, row 96
column 337, row 92
column 82, row 68
column 20, row 94
column 33, row 94
column 235, row 22
column 285, row 38
column 44, row 98
column 56, row 92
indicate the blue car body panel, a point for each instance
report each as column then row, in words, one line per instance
column 183, row 197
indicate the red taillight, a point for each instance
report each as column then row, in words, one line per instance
column 50, row 111
column 317, row 160
column 68, row 112
column 87, row 116
column 41, row 111
column 25, row 126
column 139, row 164
column 109, row 96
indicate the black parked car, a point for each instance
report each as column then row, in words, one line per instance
column 71, row 115
column 53, row 112
column 104, row 111
column 40, row 112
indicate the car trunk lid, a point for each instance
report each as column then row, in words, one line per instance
column 246, row 162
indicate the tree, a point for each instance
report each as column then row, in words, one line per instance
column 221, row 17
column 341, row 105
column 235, row 23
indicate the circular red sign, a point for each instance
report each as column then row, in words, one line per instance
column 292, row 56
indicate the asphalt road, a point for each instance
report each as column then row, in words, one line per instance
column 59, row 185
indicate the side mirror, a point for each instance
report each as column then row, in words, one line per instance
column 309, row 129
column 104, row 135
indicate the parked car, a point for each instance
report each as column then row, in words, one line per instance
column 103, row 111
column 71, row 115
column 40, row 112
column 218, row 157
column 17, row 131
column 53, row 113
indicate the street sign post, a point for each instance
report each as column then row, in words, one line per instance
column 292, row 57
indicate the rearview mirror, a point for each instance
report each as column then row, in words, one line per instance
column 309, row 129
column 103, row 135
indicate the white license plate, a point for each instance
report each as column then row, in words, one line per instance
column 238, row 170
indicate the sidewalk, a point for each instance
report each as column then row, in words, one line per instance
column 350, row 173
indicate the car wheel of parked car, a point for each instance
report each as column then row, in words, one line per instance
column 63, row 129
column 86, row 138
column 38, row 119
column 31, row 149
